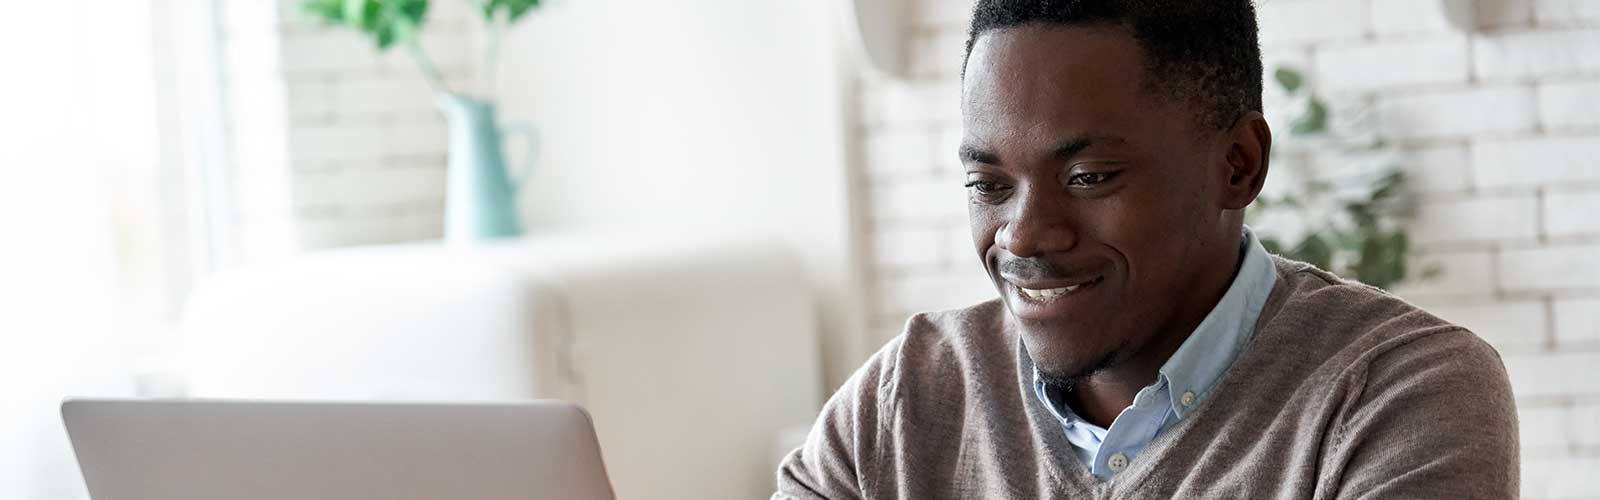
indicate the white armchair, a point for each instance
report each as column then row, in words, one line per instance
column 692, row 356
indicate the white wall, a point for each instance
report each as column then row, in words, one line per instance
column 707, row 116
column 703, row 116
column 80, row 143
column 332, row 143
column 1499, row 130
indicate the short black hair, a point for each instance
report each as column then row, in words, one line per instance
column 1203, row 51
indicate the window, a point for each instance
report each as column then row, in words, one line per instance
column 102, row 180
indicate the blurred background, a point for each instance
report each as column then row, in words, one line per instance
column 730, row 205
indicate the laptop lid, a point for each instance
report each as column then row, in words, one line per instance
column 261, row 450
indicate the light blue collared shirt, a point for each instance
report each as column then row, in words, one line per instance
column 1184, row 381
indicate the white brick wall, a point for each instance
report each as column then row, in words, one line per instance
column 1585, row 434
column 366, row 145
column 1572, row 214
column 1520, row 326
column 902, row 153
column 1545, row 428
column 1536, row 162
column 1457, row 113
column 932, row 198
column 1557, row 476
column 1477, row 219
column 1531, row 54
column 1498, row 127
column 1555, row 267
column 909, row 249
column 1569, row 104
column 1553, row 375
column 1412, row 17
column 1566, row 12
column 359, row 96
column 1312, row 22
column 333, row 143
column 1437, row 169
column 1407, row 62
column 937, row 52
column 1577, row 321
column 935, row 291
column 1463, row 275
column 1500, row 14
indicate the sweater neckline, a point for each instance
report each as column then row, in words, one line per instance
column 1070, row 471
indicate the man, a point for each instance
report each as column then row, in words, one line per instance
column 1144, row 345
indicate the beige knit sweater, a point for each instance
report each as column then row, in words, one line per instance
column 1343, row 392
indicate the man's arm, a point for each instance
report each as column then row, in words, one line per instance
column 1435, row 419
column 842, row 449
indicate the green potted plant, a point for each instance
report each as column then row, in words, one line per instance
column 1349, row 220
column 480, row 198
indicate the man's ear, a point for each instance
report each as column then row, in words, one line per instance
column 1248, row 150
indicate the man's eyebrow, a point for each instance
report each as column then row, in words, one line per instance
column 1066, row 149
column 971, row 154
column 1063, row 151
column 1071, row 147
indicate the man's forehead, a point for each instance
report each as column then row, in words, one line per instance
column 1042, row 84
column 1038, row 65
column 1051, row 50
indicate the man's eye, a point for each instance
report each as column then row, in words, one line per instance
column 1090, row 179
column 983, row 187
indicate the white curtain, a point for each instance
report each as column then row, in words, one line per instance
column 78, row 120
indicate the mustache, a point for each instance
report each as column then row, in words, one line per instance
column 1032, row 268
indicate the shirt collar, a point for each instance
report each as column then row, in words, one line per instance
column 1212, row 347
column 1221, row 336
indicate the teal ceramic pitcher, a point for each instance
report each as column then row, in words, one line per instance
column 480, row 194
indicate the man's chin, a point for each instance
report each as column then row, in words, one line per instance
column 1065, row 374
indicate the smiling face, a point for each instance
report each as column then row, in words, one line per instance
column 1105, row 214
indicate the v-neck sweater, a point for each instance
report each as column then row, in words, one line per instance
column 1344, row 391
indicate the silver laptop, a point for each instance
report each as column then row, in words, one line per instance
column 257, row 450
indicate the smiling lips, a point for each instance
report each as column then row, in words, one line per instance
column 1050, row 294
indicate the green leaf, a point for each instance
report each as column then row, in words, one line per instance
column 1313, row 121
column 387, row 22
column 1363, row 216
column 1314, row 251
column 513, row 9
column 1383, row 260
column 1346, row 240
column 1272, row 245
column 1431, row 272
column 1289, row 79
column 329, row 11
column 363, row 14
column 385, row 37
column 1388, row 186
column 1374, row 247
column 1319, row 186
column 414, row 11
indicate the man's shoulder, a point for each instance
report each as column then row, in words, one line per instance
column 969, row 343
column 971, row 330
column 1311, row 296
column 982, row 317
column 1317, row 310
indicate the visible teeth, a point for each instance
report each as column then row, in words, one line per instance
column 1048, row 293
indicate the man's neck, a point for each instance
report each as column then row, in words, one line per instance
column 1104, row 394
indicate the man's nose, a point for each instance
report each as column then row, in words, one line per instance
column 1039, row 224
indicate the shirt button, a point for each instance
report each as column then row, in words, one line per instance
column 1117, row 462
column 1187, row 398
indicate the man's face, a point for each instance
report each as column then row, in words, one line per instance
column 1095, row 204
